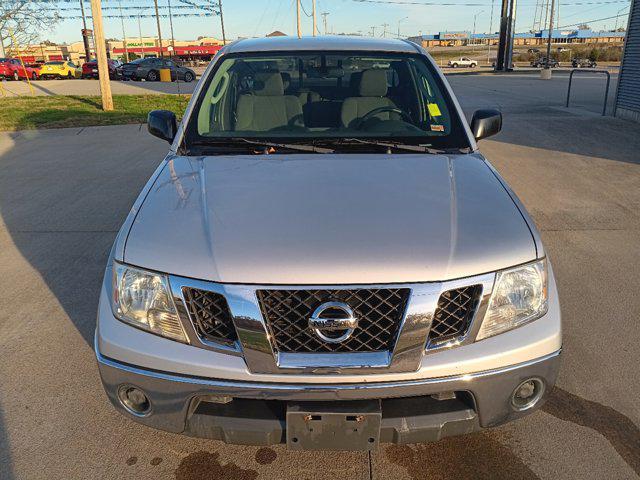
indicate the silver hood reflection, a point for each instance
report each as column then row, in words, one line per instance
column 328, row 219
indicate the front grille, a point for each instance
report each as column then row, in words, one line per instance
column 210, row 315
column 379, row 313
column 454, row 313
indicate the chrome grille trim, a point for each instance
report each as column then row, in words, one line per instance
column 255, row 345
column 379, row 310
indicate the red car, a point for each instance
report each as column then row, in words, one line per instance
column 90, row 69
column 12, row 69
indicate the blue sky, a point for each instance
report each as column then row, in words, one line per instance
column 259, row 17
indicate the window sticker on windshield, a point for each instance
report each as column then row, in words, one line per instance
column 434, row 110
column 437, row 128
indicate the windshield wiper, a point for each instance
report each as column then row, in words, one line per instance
column 393, row 145
column 265, row 147
column 303, row 147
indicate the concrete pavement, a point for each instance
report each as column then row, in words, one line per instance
column 61, row 205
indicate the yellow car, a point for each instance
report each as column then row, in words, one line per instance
column 60, row 69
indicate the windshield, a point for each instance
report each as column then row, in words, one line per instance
column 54, row 63
column 325, row 98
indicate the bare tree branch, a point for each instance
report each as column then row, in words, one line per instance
column 24, row 20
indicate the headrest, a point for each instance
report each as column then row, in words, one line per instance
column 286, row 80
column 268, row 84
column 354, row 82
column 373, row 83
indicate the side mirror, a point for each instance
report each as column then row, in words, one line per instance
column 162, row 124
column 486, row 123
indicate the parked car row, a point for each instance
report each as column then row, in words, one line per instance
column 140, row 69
column 149, row 69
column 543, row 62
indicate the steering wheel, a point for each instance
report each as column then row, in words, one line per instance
column 360, row 123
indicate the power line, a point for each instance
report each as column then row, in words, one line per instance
column 304, row 9
column 592, row 21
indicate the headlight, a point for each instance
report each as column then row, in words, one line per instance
column 143, row 299
column 519, row 296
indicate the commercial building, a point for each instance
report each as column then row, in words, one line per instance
column 203, row 48
column 462, row 38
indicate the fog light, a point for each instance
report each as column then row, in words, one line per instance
column 527, row 394
column 134, row 400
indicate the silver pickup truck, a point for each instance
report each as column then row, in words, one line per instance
column 324, row 259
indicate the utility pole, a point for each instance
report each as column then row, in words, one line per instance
column 159, row 32
column 548, row 66
column 101, row 54
column 490, row 33
column 85, row 40
column 373, row 31
column 313, row 11
column 384, row 31
column 298, row 18
column 2, row 54
column 324, row 20
column 173, row 40
column 140, row 34
column 224, row 36
column 124, row 35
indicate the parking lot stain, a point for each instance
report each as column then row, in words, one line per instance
column 204, row 465
column 618, row 429
column 265, row 456
column 477, row 456
column 156, row 461
column 132, row 460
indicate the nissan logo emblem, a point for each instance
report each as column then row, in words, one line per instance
column 333, row 317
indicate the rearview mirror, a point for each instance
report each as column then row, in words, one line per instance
column 486, row 123
column 162, row 124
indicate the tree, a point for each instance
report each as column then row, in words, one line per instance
column 24, row 20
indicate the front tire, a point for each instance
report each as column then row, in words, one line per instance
column 69, row 75
column 188, row 77
column 455, row 65
column 34, row 76
column 473, row 65
column 16, row 77
column 152, row 76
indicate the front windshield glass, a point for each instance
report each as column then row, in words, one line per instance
column 324, row 97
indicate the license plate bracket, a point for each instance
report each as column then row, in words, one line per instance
column 353, row 425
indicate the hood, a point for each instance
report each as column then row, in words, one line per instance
column 328, row 219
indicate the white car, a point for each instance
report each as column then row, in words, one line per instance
column 463, row 62
column 325, row 259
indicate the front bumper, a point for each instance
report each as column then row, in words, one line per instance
column 257, row 413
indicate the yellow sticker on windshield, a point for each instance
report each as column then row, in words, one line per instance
column 434, row 110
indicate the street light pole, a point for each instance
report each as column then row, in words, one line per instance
column 473, row 44
column 401, row 20
column 124, row 35
column 298, row 18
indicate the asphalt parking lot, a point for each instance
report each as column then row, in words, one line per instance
column 64, row 193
